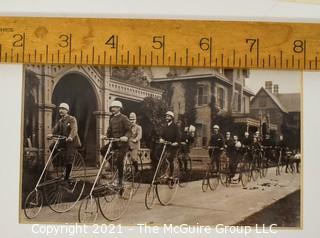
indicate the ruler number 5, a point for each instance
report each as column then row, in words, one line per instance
column 158, row 42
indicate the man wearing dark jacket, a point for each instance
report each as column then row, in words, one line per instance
column 171, row 133
column 66, row 126
column 216, row 145
column 119, row 127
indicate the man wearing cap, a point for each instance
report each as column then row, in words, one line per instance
column 66, row 126
column 186, row 140
column 119, row 127
column 171, row 133
column 134, row 140
column 216, row 145
column 246, row 141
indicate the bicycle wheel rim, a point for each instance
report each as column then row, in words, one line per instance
column 205, row 184
column 213, row 182
column 33, row 204
column 88, row 210
column 150, row 197
column 59, row 196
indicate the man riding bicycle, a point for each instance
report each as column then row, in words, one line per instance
column 119, row 127
column 216, row 145
column 187, row 139
column 134, row 140
column 170, row 133
column 66, row 126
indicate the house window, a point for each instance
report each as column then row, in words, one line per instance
column 239, row 102
column 221, row 98
column 202, row 95
column 236, row 101
column 228, row 73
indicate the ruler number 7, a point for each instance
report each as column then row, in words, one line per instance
column 252, row 43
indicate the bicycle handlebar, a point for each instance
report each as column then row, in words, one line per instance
column 111, row 139
column 57, row 137
column 165, row 142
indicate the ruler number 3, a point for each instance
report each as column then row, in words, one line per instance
column 64, row 40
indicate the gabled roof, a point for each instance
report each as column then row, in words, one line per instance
column 286, row 102
column 273, row 97
column 291, row 101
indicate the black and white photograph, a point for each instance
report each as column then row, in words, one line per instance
column 161, row 145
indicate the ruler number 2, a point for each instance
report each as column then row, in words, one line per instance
column 18, row 40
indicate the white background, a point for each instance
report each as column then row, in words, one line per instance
column 11, row 90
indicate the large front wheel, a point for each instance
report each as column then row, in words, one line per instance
column 166, row 187
column 62, row 194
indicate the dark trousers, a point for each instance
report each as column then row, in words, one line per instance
column 171, row 154
column 68, row 155
column 120, row 150
column 234, row 160
column 215, row 157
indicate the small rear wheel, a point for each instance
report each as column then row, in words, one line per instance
column 88, row 210
column 33, row 204
column 150, row 197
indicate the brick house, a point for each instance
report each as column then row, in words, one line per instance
column 279, row 113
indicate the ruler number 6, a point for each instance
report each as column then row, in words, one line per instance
column 205, row 43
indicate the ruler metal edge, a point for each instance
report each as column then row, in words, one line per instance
column 160, row 42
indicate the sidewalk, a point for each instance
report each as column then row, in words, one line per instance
column 192, row 206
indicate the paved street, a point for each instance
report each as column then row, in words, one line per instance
column 191, row 206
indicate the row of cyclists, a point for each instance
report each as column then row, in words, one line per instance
column 235, row 149
column 130, row 134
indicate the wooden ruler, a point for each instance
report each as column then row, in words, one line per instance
column 186, row 43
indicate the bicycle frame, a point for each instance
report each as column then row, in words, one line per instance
column 159, row 163
column 49, row 160
column 102, row 164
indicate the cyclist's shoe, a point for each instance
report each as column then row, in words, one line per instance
column 69, row 185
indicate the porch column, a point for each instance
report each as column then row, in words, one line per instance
column 102, row 119
column 45, row 111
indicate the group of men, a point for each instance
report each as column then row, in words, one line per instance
column 129, row 134
column 123, row 128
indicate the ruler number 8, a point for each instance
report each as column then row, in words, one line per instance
column 298, row 46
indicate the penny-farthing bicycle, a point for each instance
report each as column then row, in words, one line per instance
column 106, row 195
column 53, row 188
column 163, row 186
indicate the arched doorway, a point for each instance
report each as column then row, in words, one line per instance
column 77, row 91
